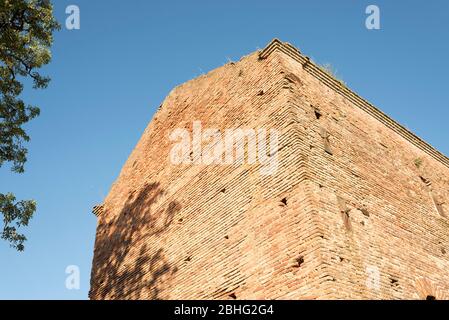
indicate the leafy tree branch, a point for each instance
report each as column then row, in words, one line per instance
column 26, row 36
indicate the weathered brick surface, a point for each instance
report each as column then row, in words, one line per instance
column 355, row 194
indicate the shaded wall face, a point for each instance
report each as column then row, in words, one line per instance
column 383, row 203
column 192, row 231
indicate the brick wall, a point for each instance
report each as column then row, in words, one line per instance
column 355, row 210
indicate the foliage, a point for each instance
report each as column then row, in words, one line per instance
column 330, row 70
column 418, row 162
column 26, row 35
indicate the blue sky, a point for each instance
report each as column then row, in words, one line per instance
column 109, row 77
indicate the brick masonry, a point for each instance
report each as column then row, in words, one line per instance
column 358, row 208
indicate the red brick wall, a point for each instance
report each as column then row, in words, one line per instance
column 171, row 231
column 374, row 208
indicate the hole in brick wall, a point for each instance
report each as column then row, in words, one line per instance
column 431, row 297
column 355, row 174
column 306, row 62
column 180, row 219
column 260, row 93
column 362, row 223
column 299, row 261
column 394, row 281
column 344, row 211
column 326, row 139
column 293, row 78
column 346, row 220
column 233, row 296
column 240, row 73
column 342, row 259
column 223, row 190
column 365, row 212
column 189, row 258
column 443, row 251
column 317, row 114
column 284, row 201
column 226, row 237
column 436, row 200
column 425, row 180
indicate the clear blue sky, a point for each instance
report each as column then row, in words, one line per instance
column 109, row 77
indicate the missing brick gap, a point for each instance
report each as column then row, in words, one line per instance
column 180, row 219
column 284, row 201
column 342, row 259
column 394, row 281
column 317, row 114
column 344, row 211
column 443, row 251
column 430, row 297
column 223, row 190
column 189, row 258
column 365, row 212
column 299, row 261
column 346, row 219
column 425, row 180
column 226, row 237
column 325, row 136
column 260, row 93
column 233, row 296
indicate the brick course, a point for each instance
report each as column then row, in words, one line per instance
column 358, row 208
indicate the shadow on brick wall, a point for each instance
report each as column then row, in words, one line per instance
column 125, row 266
